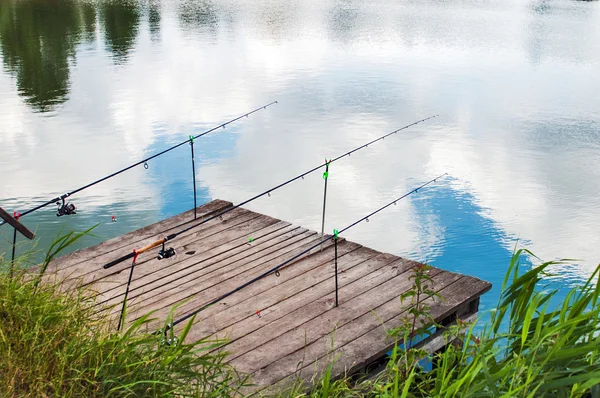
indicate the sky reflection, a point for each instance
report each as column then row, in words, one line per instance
column 91, row 87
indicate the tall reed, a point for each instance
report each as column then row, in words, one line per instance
column 529, row 348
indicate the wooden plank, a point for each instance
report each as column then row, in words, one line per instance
column 150, row 232
column 224, row 230
column 202, row 230
column 202, row 258
column 169, row 279
column 234, row 278
column 432, row 344
column 262, row 356
column 16, row 224
column 223, row 279
column 308, row 273
column 167, row 270
column 316, row 302
column 455, row 294
column 82, row 272
column 319, row 351
column 365, row 340
column 217, row 268
column 92, row 270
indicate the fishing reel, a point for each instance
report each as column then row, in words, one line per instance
column 65, row 208
column 165, row 253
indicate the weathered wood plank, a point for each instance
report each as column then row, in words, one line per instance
column 288, row 343
column 87, row 272
column 151, row 232
column 197, row 273
column 365, row 340
column 233, row 278
column 214, row 269
column 202, row 256
column 265, row 296
column 464, row 290
column 162, row 272
column 317, row 301
column 320, row 351
column 200, row 231
column 92, row 271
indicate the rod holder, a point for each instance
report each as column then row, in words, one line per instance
column 325, row 177
column 121, row 320
column 194, row 176
column 335, row 244
column 14, row 222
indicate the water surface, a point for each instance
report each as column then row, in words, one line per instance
column 89, row 87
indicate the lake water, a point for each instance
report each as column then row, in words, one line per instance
column 87, row 88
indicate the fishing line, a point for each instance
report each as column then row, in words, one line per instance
column 267, row 192
column 68, row 208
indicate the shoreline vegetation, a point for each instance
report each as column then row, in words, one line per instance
column 53, row 344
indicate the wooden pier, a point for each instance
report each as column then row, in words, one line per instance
column 281, row 327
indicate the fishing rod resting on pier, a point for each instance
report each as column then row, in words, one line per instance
column 166, row 253
column 297, row 256
column 69, row 208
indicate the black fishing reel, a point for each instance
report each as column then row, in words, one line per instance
column 165, row 253
column 65, row 209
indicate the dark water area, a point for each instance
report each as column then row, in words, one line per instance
column 87, row 88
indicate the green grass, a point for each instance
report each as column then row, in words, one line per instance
column 53, row 344
column 528, row 350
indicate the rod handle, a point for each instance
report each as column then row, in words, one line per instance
column 134, row 253
column 151, row 245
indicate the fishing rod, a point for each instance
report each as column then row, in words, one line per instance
column 288, row 261
column 69, row 208
column 166, row 253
